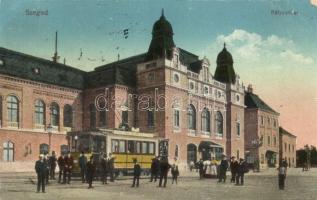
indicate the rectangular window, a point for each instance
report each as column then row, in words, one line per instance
column 115, row 146
column 144, row 147
column 176, row 118
column 122, row 146
column 131, row 148
column 285, row 147
column 238, row 128
column 102, row 118
column 262, row 120
column 92, row 111
column 289, row 148
column 138, row 147
column 151, row 148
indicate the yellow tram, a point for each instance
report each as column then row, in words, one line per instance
column 125, row 146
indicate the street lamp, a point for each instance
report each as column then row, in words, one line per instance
column 76, row 138
column 49, row 131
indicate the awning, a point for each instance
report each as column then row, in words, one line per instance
column 208, row 145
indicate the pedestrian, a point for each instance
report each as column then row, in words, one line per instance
column 214, row 164
column 281, row 176
column 136, row 173
column 82, row 161
column 200, row 165
column 154, row 169
column 111, row 166
column 175, row 173
column 47, row 172
column 61, row 165
column 223, row 169
column 104, row 169
column 40, row 168
column 164, row 167
column 52, row 161
column 91, row 170
column 68, row 168
column 233, row 167
column 191, row 165
column 241, row 170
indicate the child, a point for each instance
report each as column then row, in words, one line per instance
column 281, row 177
column 175, row 173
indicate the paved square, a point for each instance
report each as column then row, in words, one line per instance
column 260, row 186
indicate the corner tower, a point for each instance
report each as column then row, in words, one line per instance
column 224, row 71
column 162, row 42
column 235, row 103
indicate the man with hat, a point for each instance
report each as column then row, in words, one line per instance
column 223, row 169
column 233, row 167
column 61, row 165
column 136, row 173
column 41, row 169
column 241, row 170
column 52, row 162
column 91, row 170
column 154, row 169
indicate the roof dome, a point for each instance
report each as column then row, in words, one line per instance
column 224, row 56
column 162, row 41
column 162, row 26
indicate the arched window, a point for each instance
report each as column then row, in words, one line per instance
column 68, row 115
column 43, row 148
column 191, row 117
column 219, row 123
column 13, row 111
column 205, row 120
column 54, row 114
column 8, row 151
column 39, row 112
column 92, row 111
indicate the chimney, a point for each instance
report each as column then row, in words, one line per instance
column 250, row 89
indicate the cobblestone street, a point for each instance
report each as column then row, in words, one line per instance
column 260, row 186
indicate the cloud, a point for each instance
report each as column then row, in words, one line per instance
column 250, row 46
column 297, row 57
column 313, row 2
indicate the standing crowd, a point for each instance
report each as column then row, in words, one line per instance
column 46, row 165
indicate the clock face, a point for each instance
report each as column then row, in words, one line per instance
column 176, row 78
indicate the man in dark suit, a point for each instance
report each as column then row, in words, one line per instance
column 91, row 170
column 233, row 167
column 223, row 169
column 155, row 165
column 136, row 173
column 41, row 169
column 52, row 161
column 68, row 168
column 105, row 169
column 82, row 161
column 242, row 169
column 61, row 165
column 164, row 167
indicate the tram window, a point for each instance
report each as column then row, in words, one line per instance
column 138, row 147
column 151, row 148
column 115, row 146
column 144, row 147
column 122, row 146
column 131, row 148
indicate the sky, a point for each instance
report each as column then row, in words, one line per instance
column 273, row 43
